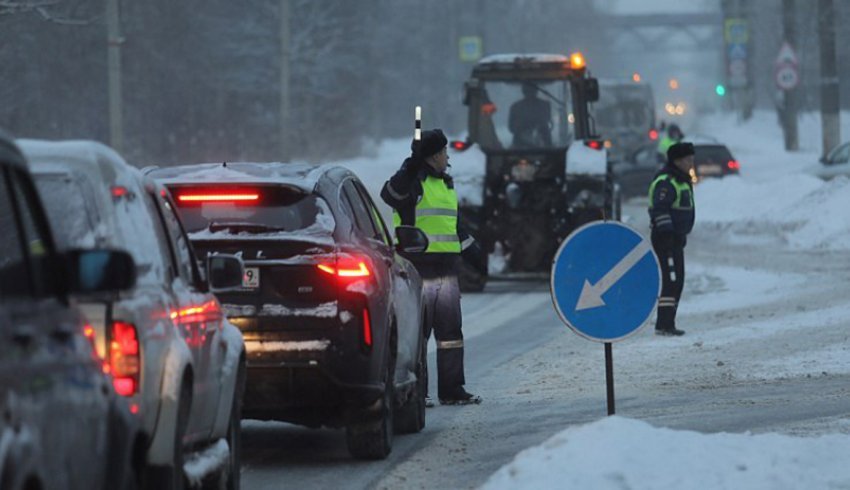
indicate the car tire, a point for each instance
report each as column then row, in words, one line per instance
column 469, row 279
column 229, row 476
column 410, row 417
column 374, row 439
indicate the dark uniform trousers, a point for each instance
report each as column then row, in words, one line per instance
column 442, row 316
column 672, row 259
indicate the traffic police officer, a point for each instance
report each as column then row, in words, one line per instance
column 671, row 213
column 422, row 194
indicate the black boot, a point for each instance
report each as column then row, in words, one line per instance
column 669, row 332
column 460, row 397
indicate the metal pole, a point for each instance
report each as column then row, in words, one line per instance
column 285, row 51
column 114, row 42
column 829, row 95
column 609, row 376
column 789, row 119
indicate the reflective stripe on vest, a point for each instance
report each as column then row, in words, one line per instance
column 680, row 187
column 436, row 215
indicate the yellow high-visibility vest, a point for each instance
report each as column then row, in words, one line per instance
column 436, row 215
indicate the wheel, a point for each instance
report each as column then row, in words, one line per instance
column 374, row 439
column 229, row 477
column 469, row 279
column 411, row 416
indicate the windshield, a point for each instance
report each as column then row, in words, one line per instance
column 525, row 115
column 252, row 209
column 70, row 219
column 623, row 108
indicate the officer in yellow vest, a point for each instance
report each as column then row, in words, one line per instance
column 671, row 213
column 670, row 137
column 422, row 194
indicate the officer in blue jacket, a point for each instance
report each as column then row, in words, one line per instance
column 671, row 214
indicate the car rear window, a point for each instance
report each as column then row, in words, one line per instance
column 70, row 218
column 709, row 154
column 252, row 209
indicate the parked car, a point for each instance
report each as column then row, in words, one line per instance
column 331, row 313
column 62, row 424
column 835, row 163
column 166, row 342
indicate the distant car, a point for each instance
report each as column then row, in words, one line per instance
column 332, row 315
column 714, row 160
column 166, row 343
column 62, row 424
column 835, row 163
column 635, row 173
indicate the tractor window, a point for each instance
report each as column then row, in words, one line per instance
column 525, row 115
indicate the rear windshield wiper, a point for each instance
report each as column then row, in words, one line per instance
column 243, row 226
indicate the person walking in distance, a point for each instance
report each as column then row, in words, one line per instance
column 671, row 213
column 422, row 194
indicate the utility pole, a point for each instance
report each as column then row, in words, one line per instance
column 114, row 42
column 285, row 52
column 790, row 103
column 829, row 95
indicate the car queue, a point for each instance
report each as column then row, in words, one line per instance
column 149, row 302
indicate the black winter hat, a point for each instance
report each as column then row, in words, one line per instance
column 679, row 150
column 433, row 140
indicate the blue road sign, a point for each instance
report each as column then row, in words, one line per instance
column 605, row 281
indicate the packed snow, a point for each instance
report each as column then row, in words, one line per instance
column 201, row 464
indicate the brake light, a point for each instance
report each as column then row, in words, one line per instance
column 367, row 328
column 653, row 134
column 488, row 109
column 347, row 266
column 224, row 197
column 594, row 144
column 733, row 165
column 118, row 191
column 459, row 145
column 124, row 358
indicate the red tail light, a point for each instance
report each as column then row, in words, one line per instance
column 124, row 358
column 653, row 134
column 367, row 328
column 459, row 145
column 594, row 144
column 347, row 266
column 733, row 165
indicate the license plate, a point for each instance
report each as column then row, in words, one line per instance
column 251, row 279
column 710, row 169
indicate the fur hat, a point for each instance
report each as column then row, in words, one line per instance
column 679, row 150
column 432, row 142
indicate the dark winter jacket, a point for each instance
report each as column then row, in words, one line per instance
column 671, row 203
column 402, row 192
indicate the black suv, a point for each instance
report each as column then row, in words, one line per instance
column 330, row 313
column 61, row 423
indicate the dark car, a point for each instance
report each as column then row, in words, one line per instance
column 634, row 174
column 714, row 160
column 330, row 312
column 62, row 424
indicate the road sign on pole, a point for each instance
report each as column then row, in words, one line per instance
column 605, row 281
column 470, row 48
column 787, row 68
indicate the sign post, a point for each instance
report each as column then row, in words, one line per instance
column 605, row 282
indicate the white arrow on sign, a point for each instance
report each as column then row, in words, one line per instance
column 591, row 294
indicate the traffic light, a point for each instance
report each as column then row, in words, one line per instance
column 720, row 90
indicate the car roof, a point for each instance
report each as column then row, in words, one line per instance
column 98, row 161
column 301, row 175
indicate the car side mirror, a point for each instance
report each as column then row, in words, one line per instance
column 411, row 240
column 225, row 272
column 99, row 271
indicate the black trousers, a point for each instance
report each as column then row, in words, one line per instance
column 672, row 260
column 443, row 317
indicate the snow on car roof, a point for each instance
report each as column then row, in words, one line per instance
column 301, row 175
column 60, row 153
column 534, row 57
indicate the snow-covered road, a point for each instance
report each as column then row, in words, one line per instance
column 767, row 318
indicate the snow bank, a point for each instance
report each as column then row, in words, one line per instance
column 616, row 453
column 199, row 465
column 775, row 194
